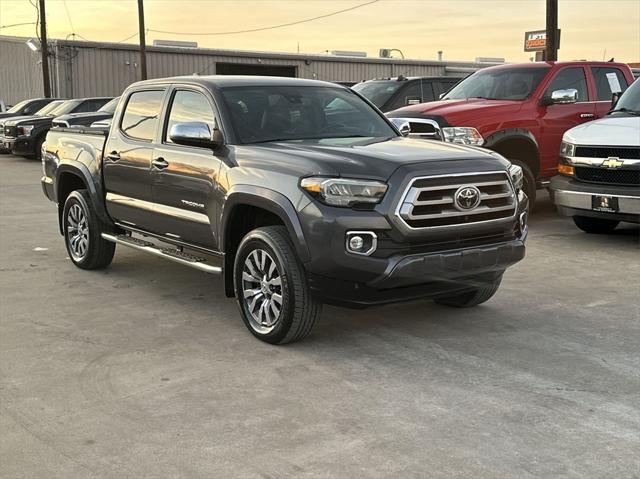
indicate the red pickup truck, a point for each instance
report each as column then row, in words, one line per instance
column 520, row 110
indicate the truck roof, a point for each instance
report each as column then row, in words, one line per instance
column 217, row 81
column 557, row 64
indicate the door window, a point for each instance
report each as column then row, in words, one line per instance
column 608, row 81
column 189, row 106
column 570, row 78
column 412, row 94
column 140, row 117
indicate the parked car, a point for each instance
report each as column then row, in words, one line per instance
column 86, row 119
column 24, row 136
column 44, row 111
column 599, row 181
column 521, row 110
column 393, row 93
column 297, row 191
column 26, row 107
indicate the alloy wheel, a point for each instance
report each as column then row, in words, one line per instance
column 262, row 290
column 77, row 232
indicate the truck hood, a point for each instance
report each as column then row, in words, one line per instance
column 30, row 120
column 456, row 111
column 615, row 130
column 83, row 118
column 361, row 158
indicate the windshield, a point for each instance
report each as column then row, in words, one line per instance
column 18, row 107
column 44, row 111
column 282, row 113
column 64, row 108
column 498, row 84
column 630, row 99
column 378, row 92
column 110, row 107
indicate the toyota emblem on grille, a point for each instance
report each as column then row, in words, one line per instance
column 467, row 198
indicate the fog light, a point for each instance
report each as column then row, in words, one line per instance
column 361, row 242
column 356, row 243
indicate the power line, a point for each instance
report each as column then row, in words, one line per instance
column 272, row 27
column 17, row 25
column 66, row 9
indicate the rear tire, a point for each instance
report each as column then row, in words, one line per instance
column 471, row 298
column 271, row 287
column 595, row 225
column 82, row 230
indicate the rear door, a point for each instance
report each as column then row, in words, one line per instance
column 558, row 118
column 127, row 158
column 606, row 82
column 185, row 178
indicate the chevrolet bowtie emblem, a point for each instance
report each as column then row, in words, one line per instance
column 612, row 162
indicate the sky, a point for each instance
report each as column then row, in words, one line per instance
column 462, row 29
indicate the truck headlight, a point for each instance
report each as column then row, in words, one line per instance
column 567, row 149
column 463, row 135
column 517, row 176
column 25, row 130
column 343, row 191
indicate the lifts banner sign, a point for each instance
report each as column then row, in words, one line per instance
column 536, row 41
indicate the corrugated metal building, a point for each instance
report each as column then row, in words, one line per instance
column 81, row 69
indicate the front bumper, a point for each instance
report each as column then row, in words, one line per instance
column 408, row 263
column 574, row 198
column 22, row 145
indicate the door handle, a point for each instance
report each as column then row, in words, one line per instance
column 113, row 156
column 160, row 163
column 586, row 115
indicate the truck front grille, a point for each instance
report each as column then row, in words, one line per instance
column 610, row 177
column 437, row 201
column 629, row 153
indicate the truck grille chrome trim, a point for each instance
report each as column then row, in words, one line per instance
column 430, row 201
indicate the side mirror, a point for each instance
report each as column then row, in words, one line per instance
column 194, row 133
column 614, row 100
column 560, row 97
column 402, row 125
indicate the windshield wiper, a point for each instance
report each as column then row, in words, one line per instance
column 626, row 110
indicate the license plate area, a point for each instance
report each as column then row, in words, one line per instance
column 604, row 203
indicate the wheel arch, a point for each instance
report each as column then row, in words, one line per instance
column 71, row 177
column 516, row 144
column 265, row 207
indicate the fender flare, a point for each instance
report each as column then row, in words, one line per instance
column 93, row 184
column 269, row 200
column 493, row 141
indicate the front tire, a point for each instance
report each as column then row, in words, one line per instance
column 529, row 183
column 598, row 226
column 271, row 287
column 83, row 233
column 473, row 297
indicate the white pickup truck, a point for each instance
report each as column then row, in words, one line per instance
column 599, row 180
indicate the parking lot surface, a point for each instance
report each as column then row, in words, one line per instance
column 146, row 370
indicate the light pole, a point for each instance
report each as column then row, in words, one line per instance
column 45, row 51
column 143, row 45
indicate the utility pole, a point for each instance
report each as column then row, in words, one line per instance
column 44, row 48
column 551, row 52
column 143, row 45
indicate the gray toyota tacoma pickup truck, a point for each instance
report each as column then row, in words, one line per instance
column 297, row 192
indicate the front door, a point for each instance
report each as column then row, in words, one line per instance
column 127, row 160
column 558, row 118
column 185, row 178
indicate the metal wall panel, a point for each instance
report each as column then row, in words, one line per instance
column 81, row 69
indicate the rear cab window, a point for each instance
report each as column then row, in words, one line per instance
column 608, row 80
column 140, row 117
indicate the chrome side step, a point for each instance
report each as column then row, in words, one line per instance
column 180, row 257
